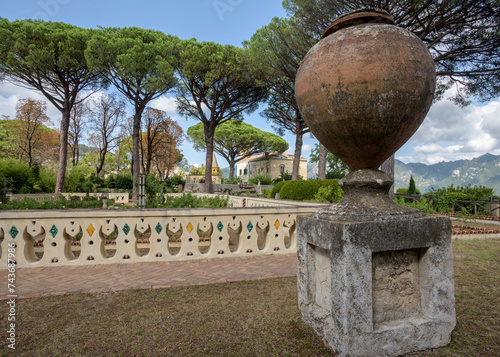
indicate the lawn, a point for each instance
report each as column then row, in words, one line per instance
column 258, row 318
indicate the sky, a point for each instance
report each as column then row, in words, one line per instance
column 448, row 133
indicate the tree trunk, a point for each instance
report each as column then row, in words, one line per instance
column 209, row 129
column 232, row 165
column 388, row 168
column 296, row 155
column 321, row 162
column 63, row 150
column 136, row 168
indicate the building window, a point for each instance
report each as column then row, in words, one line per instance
column 245, row 172
column 282, row 169
column 240, row 172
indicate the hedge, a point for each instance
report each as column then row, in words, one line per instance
column 277, row 188
column 306, row 190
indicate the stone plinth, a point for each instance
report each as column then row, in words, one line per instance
column 377, row 288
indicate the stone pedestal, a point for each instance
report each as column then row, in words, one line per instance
column 380, row 287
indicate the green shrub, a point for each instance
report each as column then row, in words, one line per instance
column 190, row 201
column 59, row 202
column 306, row 190
column 328, row 194
column 264, row 180
column 15, row 173
column 404, row 191
column 76, row 177
column 422, row 204
column 123, row 181
column 277, row 188
column 232, row 180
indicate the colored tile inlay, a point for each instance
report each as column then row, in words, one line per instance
column 90, row 229
column 220, row 226
column 158, row 228
column 190, row 227
column 277, row 224
column 53, row 231
column 126, row 229
column 249, row 226
column 13, row 232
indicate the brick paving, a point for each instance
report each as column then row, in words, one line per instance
column 37, row 282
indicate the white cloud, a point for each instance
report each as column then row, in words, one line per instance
column 167, row 104
column 450, row 132
column 306, row 147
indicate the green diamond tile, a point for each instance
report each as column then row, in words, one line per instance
column 220, row 226
column 53, row 231
column 249, row 226
column 126, row 229
column 158, row 228
column 13, row 232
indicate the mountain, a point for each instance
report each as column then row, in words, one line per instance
column 483, row 170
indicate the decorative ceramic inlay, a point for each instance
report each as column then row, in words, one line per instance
column 220, row 226
column 158, row 228
column 277, row 224
column 13, row 232
column 53, row 231
column 126, row 229
column 249, row 226
column 90, row 229
column 190, row 227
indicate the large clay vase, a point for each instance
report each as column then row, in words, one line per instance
column 365, row 88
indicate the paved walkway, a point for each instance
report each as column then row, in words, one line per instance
column 36, row 282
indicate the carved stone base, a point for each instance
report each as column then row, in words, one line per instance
column 377, row 288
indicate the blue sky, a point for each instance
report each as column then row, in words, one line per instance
column 448, row 133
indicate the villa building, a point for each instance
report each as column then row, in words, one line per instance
column 269, row 164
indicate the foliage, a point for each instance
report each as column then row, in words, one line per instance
column 219, row 83
column 175, row 180
column 328, row 194
column 160, row 139
column 232, row 180
column 462, row 36
column 140, row 63
column 123, row 181
column 307, row 190
column 412, row 188
column 279, row 47
column 58, row 202
column 76, row 178
column 190, row 201
column 285, row 176
column 404, row 191
column 20, row 178
column 236, row 141
column 48, row 57
column 336, row 169
column 264, row 180
column 422, row 204
column 198, row 171
column 277, row 188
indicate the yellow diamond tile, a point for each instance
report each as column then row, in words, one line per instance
column 90, row 229
column 190, row 227
column 277, row 224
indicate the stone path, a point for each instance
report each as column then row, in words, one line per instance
column 37, row 282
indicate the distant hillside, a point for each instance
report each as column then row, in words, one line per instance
column 483, row 170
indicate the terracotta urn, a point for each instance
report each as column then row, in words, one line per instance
column 366, row 87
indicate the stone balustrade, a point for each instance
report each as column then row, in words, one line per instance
column 88, row 237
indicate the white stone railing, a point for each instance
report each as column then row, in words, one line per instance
column 88, row 237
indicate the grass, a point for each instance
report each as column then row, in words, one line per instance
column 257, row 318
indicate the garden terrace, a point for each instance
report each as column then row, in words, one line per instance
column 88, row 237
